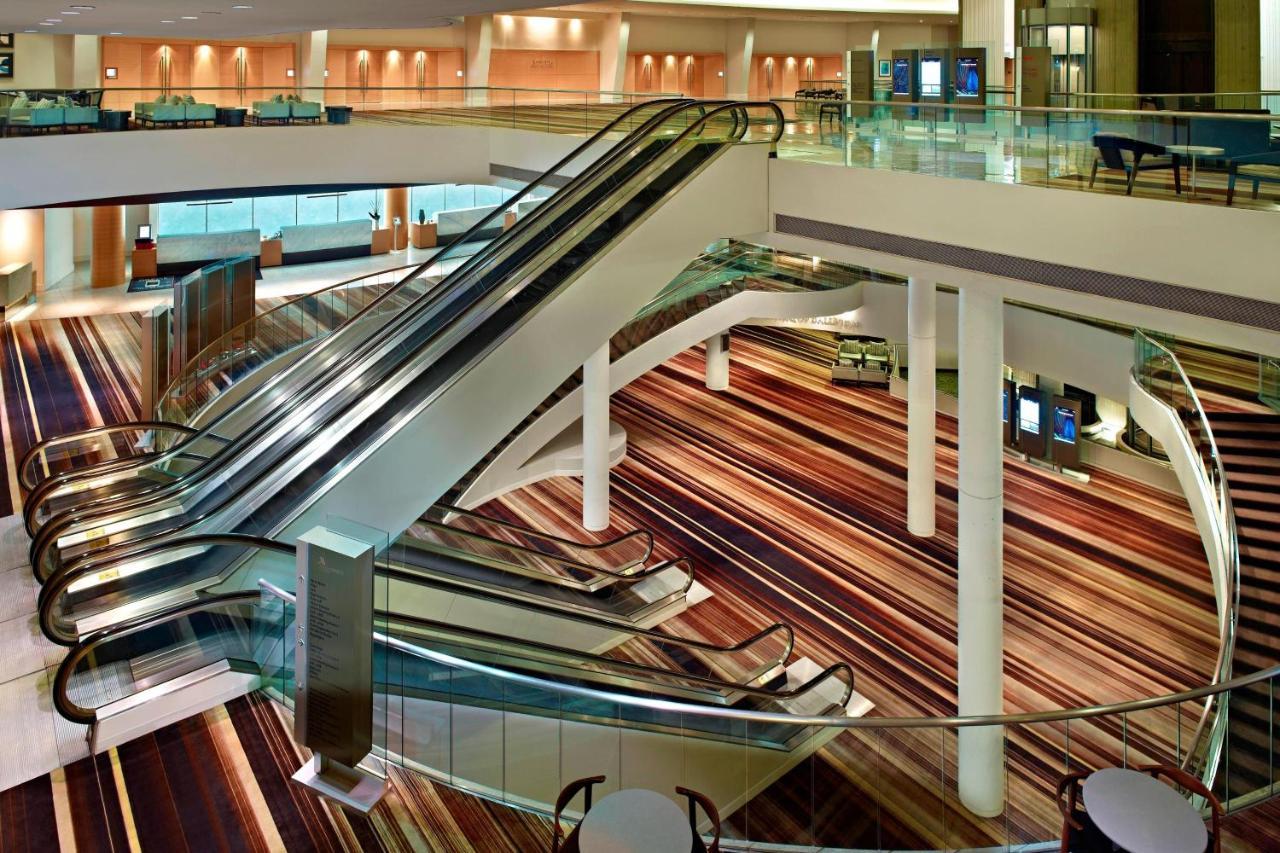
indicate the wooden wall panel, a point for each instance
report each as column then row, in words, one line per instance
column 1237, row 46
column 106, row 258
column 545, row 69
column 1115, row 64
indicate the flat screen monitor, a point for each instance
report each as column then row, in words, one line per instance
column 1029, row 415
column 144, row 232
column 1064, row 425
column 967, row 77
column 902, row 77
column 1004, row 405
column 931, row 77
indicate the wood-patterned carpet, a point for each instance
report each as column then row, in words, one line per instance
column 790, row 496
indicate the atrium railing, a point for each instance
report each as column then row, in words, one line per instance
column 1269, row 381
column 1261, row 99
column 1158, row 372
column 1039, row 146
column 843, row 783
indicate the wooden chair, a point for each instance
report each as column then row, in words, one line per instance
column 559, row 842
column 696, row 800
column 1184, row 780
column 1079, row 835
column 1111, row 148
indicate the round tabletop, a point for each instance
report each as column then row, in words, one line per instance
column 1195, row 150
column 635, row 820
column 1143, row 814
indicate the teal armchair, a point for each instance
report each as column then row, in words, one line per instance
column 36, row 118
column 270, row 111
column 304, row 111
column 154, row 114
column 77, row 116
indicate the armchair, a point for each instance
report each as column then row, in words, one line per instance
column 1111, row 155
column 168, row 111
column 697, row 800
column 1255, row 168
column 304, row 111
column 560, row 843
column 270, row 111
column 199, row 113
column 1079, row 835
column 42, row 115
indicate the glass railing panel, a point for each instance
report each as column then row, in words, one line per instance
column 1248, row 768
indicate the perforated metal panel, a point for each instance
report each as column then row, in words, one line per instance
column 1189, row 300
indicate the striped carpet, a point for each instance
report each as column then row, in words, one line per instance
column 790, row 496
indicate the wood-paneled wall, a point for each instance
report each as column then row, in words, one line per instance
column 1115, row 62
column 208, row 66
column 1237, row 46
column 545, row 69
column 697, row 75
column 389, row 66
column 106, row 259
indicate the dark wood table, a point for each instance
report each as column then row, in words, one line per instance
column 230, row 116
column 337, row 114
column 114, row 120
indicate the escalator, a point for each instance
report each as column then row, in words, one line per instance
column 257, row 480
column 425, row 570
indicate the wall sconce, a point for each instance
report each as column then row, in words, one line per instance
column 288, row 72
column 458, row 73
column 326, row 72
column 112, row 73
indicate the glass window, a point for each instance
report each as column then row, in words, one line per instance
column 357, row 204
column 180, row 217
column 317, row 209
column 271, row 213
column 429, row 199
column 458, row 197
column 486, row 195
column 229, row 215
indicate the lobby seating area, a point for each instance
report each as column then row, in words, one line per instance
column 285, row 109
column 46, row 112
column 173, row 111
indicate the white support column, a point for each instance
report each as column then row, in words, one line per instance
column 313, row 56
column 740, row 39
column 86, row 62
column 718, row 362
column 989, row 24
column 980, row 611
column 595, row 440
column 613, row 53
column 479, row 46
column 922, row 345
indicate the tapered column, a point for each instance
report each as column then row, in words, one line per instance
column 479, row 38
column 595, row 440
column 922, row 346
column 739, row 45
column 614, row 43
column 313, row 56
column 718, row 362
column 398, row 205
column 980, row 608
column 106, row 255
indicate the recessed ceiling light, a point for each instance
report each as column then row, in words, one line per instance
column 189, row 18
column 242, row 7
column 52, row 21
column 45, row 24
column 166, row 22
column 115, row 34
column 68, row 13
column 84, row 8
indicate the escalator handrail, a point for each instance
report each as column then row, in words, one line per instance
column 476, row 228
column 642, row 533
column 568, row 561
column 66, row 437
column 406, row 317
column 558, row 201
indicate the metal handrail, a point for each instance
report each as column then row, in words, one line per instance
column 404, row 316
column 652, row 96
column 63, row 438
column 956, row 107
column 642, row 533
column 1227, row 518
column 1078, row 713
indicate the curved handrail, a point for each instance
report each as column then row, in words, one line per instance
column 410, row 312
column 525, row 549
column 53, row 529
column 191, row 367
column 64, row 438
column 641, row 533
column 1227, row 518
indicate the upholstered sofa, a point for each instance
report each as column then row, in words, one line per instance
column 286, row 109
column 305, row 110
column 47, row 114
column 862, row 362
column 270, row 111
column 173, row 111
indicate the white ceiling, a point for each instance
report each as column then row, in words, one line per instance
column 218, row 18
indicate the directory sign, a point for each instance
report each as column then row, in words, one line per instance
column 902, row 77
column 968, row 77
column 333, row 701
column 1031, row 437
column 1066, row 431
column 931, row 77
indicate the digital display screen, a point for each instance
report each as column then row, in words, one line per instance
column 1004, row 405
column 1064, row 425
column 902, row 77
column 967, row 77
column 144, row 232
column 931, row 77
column 1029, row 415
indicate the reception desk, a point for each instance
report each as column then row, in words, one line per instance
column 329, row 241
column 179, row 254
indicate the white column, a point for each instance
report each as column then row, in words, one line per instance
column 922, row 344
column 613, row 52
column 595, row 440
column 739, row 45
column 980, row 629
column 1269, row 26
column 479, row 46
column 718, row 362
column 989, row 24
column 313, row 56
column 86, row 62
